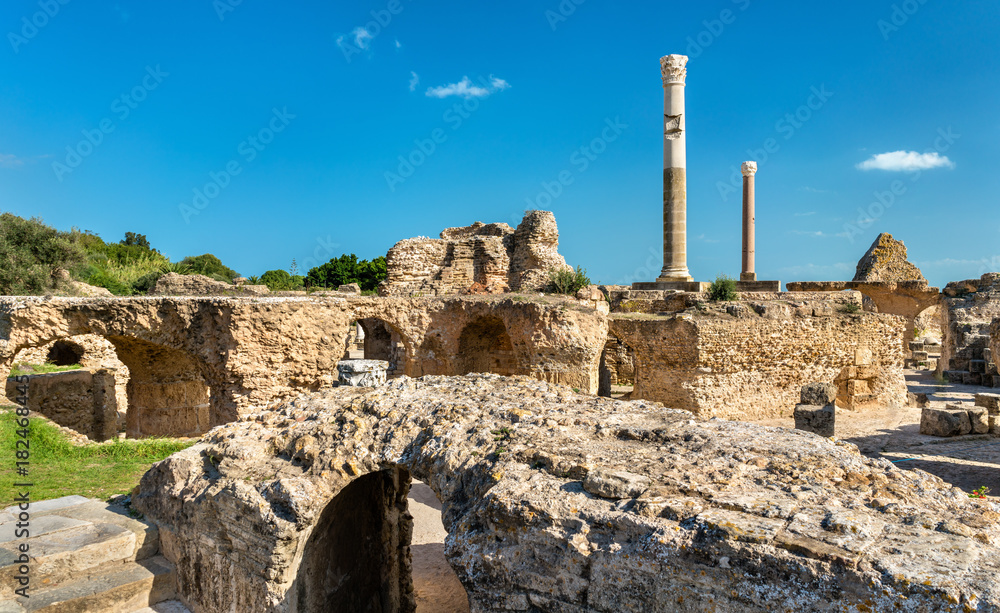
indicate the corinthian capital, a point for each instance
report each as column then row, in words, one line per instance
column 749, row 169
column 674, row 69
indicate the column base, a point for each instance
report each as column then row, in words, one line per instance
column 678, row 286
column 748, row 276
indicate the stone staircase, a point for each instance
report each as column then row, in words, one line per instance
column 86, row 557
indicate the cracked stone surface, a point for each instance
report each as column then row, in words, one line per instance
column 735, row 516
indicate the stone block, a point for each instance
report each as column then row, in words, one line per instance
column 979, row 417
column 945, row 422
column 350, row 288
column 615, row 484
column 972, row 378
column 362, row 373
column 916, row 346
column 954, row 376
column 990, row 402
column 977, row 366
column 920, row 356
column 994, row 424
column 818, row 394
column 858, row 387
column 819, row 420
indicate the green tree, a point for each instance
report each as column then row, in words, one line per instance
column 281, row 281
column 348, row 269
column 136, row 240
column 210, row 266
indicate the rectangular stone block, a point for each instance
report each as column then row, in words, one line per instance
column 954, row 376
column 916, row 346
column 994, row 425
column 920, row 356
column 818, row 394
column 990, row 402
column 819, row 420
column 977, row 366
column 972, row 378
column 980, row 420
column 858, row 387
column 945, row 422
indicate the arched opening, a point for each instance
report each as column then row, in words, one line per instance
column 356, row 558
column 167, row 393
column 380, row 341
column 617, row 374
column 485, row 346
column 64, row 353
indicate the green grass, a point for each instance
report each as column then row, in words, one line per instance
column 59, row 468
column 39, row 369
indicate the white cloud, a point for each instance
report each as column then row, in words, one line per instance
column 816, row 233
column 399, row 45
column 414, row 81
column 361, row 38
column 906, row 161
column 9, row 160
column 466, row 89
column 818, row 271
column 703, row 238
column 810, row 213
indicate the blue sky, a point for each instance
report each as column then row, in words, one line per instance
column 264, row 131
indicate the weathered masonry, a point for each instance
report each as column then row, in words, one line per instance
column 558, row 502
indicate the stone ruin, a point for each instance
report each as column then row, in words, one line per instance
column 969, row 310
column 481, row 258
column 559, row 502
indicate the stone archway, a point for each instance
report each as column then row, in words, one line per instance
column 617, row 369
column 485, row 346
column 65, row 353
column 383, row 342
column 356, row 559
column 167, row 392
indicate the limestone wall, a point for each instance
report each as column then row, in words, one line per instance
column 559, row 502
column 968, row 308
column 481, row 258
column 237, row 353
column 82, row 400
column 750, row 366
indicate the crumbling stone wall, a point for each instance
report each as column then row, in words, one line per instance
column 481, row 258
column 617, row 366
column 968, row 309
column 237, row 353
column 736, row 362
column 83, row 400
column 885, row 261
column 87, row 350
column 561, row 502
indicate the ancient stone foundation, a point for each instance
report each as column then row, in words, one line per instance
column 82, row 400
column 558, row 502
column 481, row 258
column 969, row 308
column 749, row 360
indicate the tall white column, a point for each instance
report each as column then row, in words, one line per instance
column 748, row 273
column 674, row 71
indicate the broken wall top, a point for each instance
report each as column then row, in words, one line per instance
column 886, row 260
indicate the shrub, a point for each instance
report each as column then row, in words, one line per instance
column 850, row 307
column 567, row 281
column 723, row 289
column 210, row 266
column 280, row 280
column 31, row 251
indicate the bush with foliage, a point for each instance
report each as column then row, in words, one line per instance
column 567, row 281
column 210, row 266
column 281, row 281
column 30, row 253
column 348, row 269
column 723, row 289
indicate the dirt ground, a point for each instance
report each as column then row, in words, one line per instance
column 968, row 462
column 436, row 584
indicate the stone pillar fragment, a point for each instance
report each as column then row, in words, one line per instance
column 674, row 71
column 748, row 272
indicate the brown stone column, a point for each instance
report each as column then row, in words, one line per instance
column 674, row 72
column 748, row 272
